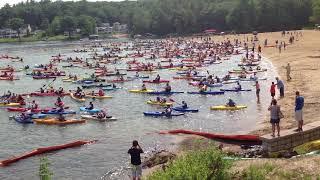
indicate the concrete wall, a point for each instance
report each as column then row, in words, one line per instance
column 290, row 139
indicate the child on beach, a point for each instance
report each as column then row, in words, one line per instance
column 273, row 90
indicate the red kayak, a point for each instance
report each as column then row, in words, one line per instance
column 48, row 94
column 44, row 77
column 14, row 109
column 118, row 81
column 44, row 150
column 242, row 138
column 156, row 82
column 8, row 78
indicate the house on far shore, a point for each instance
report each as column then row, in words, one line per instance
column 116, row 27
column 10, row 33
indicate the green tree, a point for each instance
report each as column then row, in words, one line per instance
column 87, row 24
column 68, row 23
column 316, row 12
column 16, row 24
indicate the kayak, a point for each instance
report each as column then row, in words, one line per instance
column 111, row 88
column 17, row 109
column 57, row 112
column 118, row 81
column 187, row 78
column 156, row 82
column 98, row 97
column 248, row 79
column 8, row 78
column 208, row 92
column 229, row 82
column 223, row 107
column 244, row 139
column 48, row 94
column 235, row 90
column 44, row 77
column 159, row 114
column 19, row 119
column 164, row 93
column 180, row 109
column 43, row 150
column 141, row 91
column 9, row 104
column 94, row 117
column 76, row 98
column 158, row 103
column 89, row 111
column 96, row 86
column 207, row 84
column 139, row 77
column 53, row 121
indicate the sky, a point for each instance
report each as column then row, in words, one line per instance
column 11, row 2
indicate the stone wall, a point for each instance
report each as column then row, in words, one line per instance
column 290, row 139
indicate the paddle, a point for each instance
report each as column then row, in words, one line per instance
column 174, row 101
column 46, row 85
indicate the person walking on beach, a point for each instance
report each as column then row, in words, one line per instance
column 298, row 111
column 135, row 152
column 288, row 69
column 275, row 115
column 273, row 90
column 280, row 86
column 258, row 91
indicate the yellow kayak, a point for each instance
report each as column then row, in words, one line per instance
column 141, row 91
column 67, row 80
column 53, row 121
column 9, row 104
column 158, row 103
column 307, row 147
column 228, row 108
column 76, row 98
column 179, row 69
column 98, row 97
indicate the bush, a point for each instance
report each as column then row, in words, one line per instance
column 196, row 165
column 44, row 172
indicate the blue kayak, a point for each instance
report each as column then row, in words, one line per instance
column 38, row 116
column 96, row 86
column 57, row 112
column 19, row 119
column 165, row 93
column 208, row 92
column 159, row 114
column 235, row 90
column 89, row 111
column 180, row 109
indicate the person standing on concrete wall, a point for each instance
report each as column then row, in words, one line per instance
column 298, row 111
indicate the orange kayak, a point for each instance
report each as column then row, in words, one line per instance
column 53, row 121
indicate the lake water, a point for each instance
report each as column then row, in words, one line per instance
column 108, row 158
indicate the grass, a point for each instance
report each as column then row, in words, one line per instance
column 44, row 171
column 271, row 171
column 196, row 165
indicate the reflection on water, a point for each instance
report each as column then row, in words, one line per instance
column 108, row 157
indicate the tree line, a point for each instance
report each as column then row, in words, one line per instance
column 163, row 17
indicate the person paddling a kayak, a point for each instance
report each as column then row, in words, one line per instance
column 157, row 79
column 238, row 87
column 231, row 103
column 143, row 87
column 102, row 114
column 167, row 111
column 167, row 88
column 90, row 107
column 184, row 105
column 101, row 92
column 34, row 105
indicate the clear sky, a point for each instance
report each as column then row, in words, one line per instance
column 11, row 2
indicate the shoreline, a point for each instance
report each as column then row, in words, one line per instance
column 278, row 60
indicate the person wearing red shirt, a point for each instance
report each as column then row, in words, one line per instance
column 273, row 90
